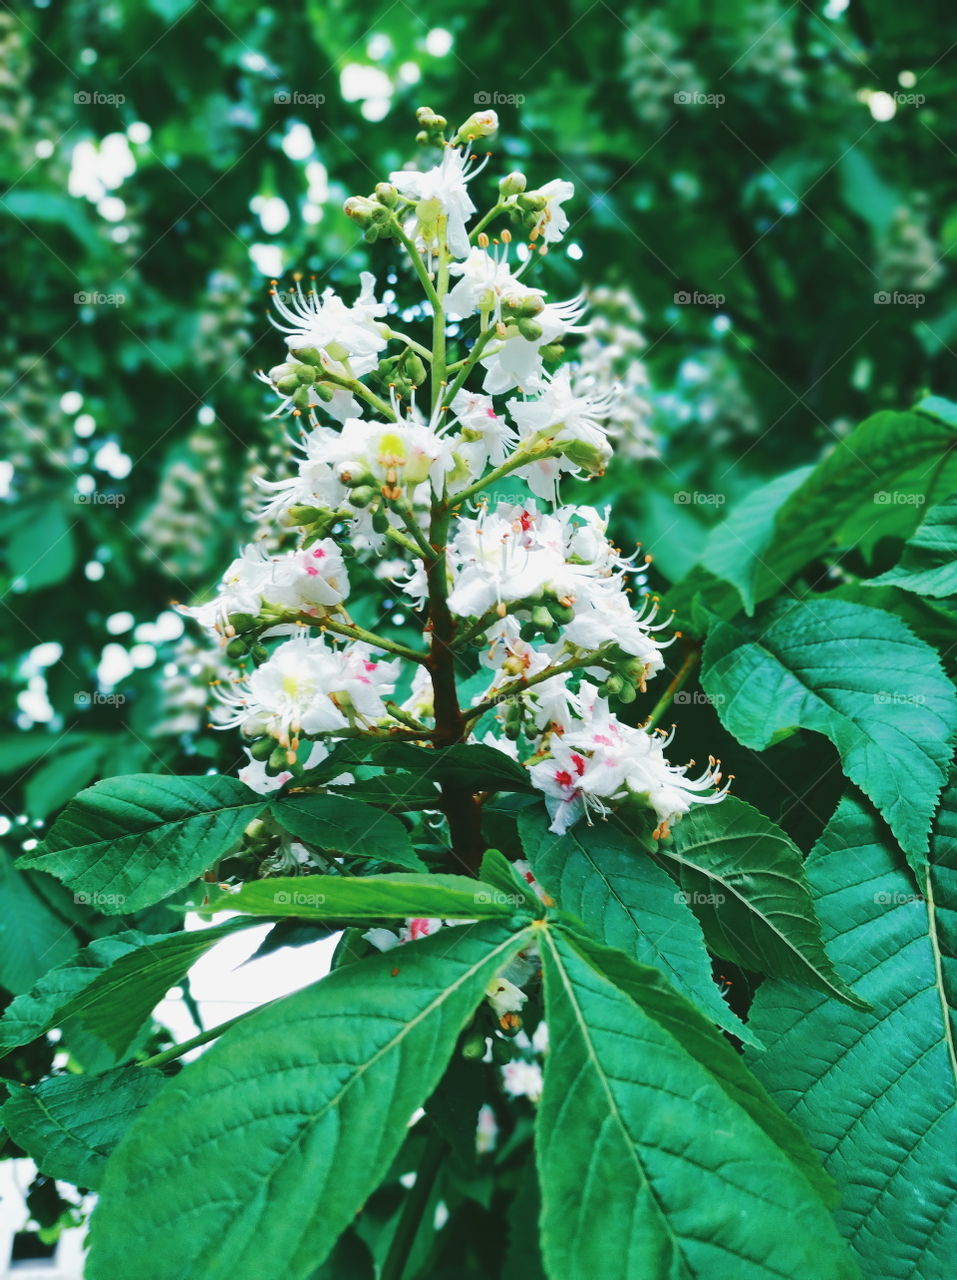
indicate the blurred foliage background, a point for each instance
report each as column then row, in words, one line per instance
column 764, row 219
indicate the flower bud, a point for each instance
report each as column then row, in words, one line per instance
column 386, row 194
column 242, row 621
column 415, row 369
column 236, row 649
column 473, row 1046
column 513, row 184
column 310, row 355
column 277, row 762
column 362, row 495
column 325, row 392
column 302, row 398
column 362, row 210
column 480, row 124
column 262, row 748
column 287, row 384
column 306, row 515
column 529, row 329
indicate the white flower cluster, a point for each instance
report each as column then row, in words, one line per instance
column 530, row 594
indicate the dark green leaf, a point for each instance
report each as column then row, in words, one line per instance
column 340, row 824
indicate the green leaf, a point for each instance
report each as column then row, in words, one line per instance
column 874, row 484
column 496, row 870
column 857, row 675
column 62, row 776
column 264, row 1149
column 473, row 767
column 399, row 790
column 693, row 1031
column 40, row 547
column 368, row 898
column 875, row 1090
column 110, row 987
column 928, row 565
column 745, row 880
column 735, row 549
column 69, row 1125
column 339, row 824
column 33, row 937
column 647, row 1166
column 129, row 842
column 604, row 877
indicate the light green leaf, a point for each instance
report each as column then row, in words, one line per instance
column 735, row 549
column 875, row 1091
column 110, row 987
column 368, row 898
column 69, row 1125
column 745, row 880
column 647, row 1166
column 126, row 843
column 340, row 824
column 263, row 1150
column 857, row 675
column 33, row 937
column 928, row 565
column 608, row 880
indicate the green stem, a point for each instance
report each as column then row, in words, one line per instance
column 169, row 1055
column 368, row 637
column 522, row 685
column 468, row 364
column 520, row 459
column 483, row 222
column 360, row 389
column 407, row 515
column 415, row 1205
column 418, row 266
column 417, row 347
column 438, row 321
column 664, row 702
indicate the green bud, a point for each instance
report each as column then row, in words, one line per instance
column 415, row 369
column 305, row 515
column 473, row 1046
column 529, row 329
column 386, row 194
column 513, row 184
column 325, row 391
column 563, row 613
column 255, row 830
column 614, row 685
column 501, row 1051
column 262, row 748
column 528, row 631
column 306, row 374
column 532, row 305
column 370, row 235
column 628, row 692
column 302, row 399
column 281, row 371
column 310, row 355
column 480, row 124
column 532, row 203
column 259, row 653
column 541, row 617
column 362, row 495
column 380, row 520
column 276, row 762
column 242, row 621
column 362, row 210
column 287, row 384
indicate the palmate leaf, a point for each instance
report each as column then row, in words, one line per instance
column 110, row 987
column 69, row 1125
column 928, row 564
column 647, row 1166
column 875, row 1091
column 857, row 675
column 260, row 1153
column 128, row 842
column 745, row 879
column 606, row 878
